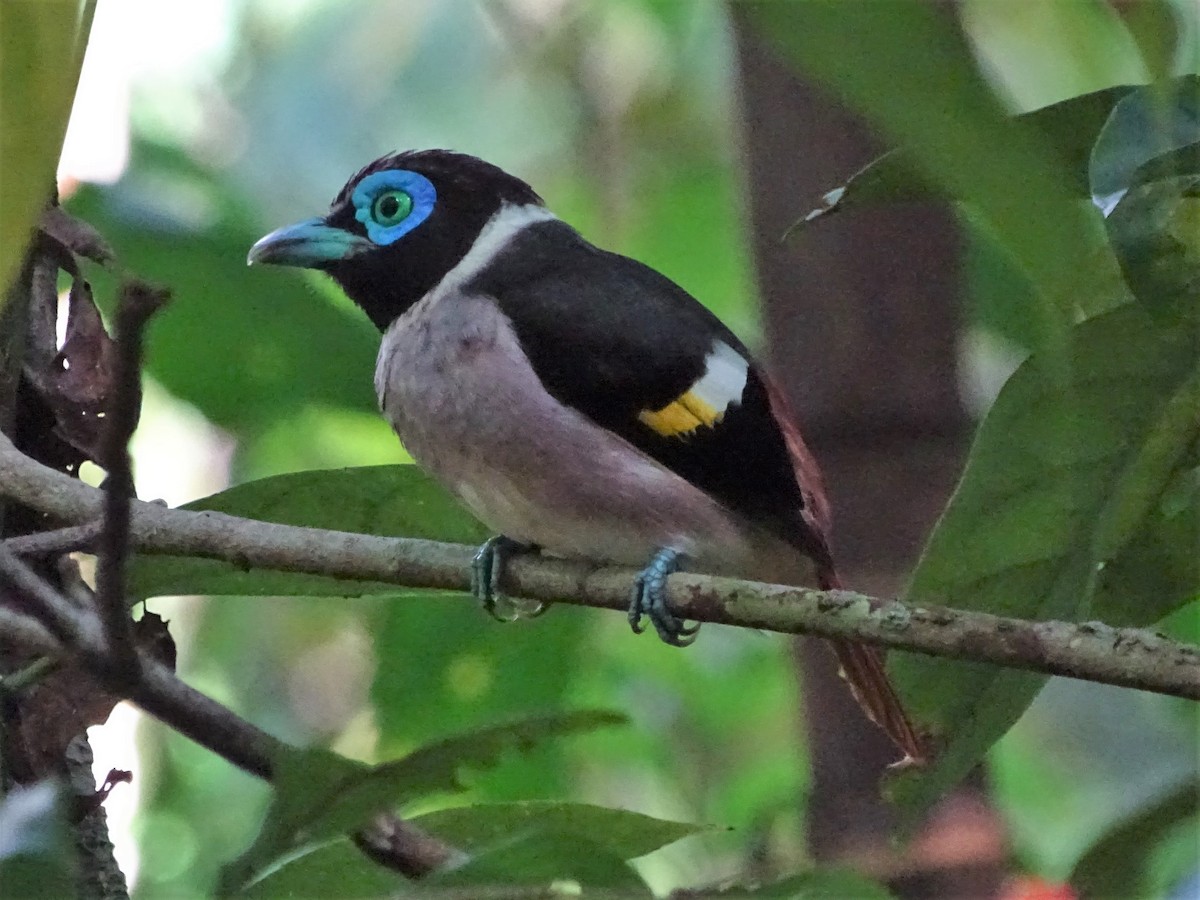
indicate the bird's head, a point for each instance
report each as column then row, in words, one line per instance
column 398, row 227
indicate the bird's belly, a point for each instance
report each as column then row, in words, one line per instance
column 467, row 405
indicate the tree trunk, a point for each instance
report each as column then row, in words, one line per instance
column 862, row 315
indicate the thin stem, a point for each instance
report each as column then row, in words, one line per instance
column 58, row 540
column 25, row 678
column 137, row 304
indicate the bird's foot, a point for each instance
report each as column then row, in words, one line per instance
column 487, row 568
column 649, row 598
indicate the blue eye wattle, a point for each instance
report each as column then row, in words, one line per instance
column 390, row 204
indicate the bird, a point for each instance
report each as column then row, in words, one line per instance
column 576, row 401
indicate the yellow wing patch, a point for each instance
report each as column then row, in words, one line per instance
column 681, row 416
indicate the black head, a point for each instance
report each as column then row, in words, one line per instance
column 398, row 226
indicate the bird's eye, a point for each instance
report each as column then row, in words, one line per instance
column 391, row 203
column 391, row 208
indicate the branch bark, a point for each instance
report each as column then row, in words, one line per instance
column 1090, row 651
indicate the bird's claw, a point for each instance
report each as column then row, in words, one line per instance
column 649, row 597
column 487, row 568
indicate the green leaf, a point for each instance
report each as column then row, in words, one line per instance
column 1158, row 571
column 1156, row 28
column 909, row 69
column 1104, row 142
column 1155, row 232
column 37, row 858
column 336, row 869
column 543, row 857
column 320, row 795
column 382, row 500
column 830, row 884
column 1117, row 865
column 1068, row 129
column 41, row 49
column 620, row 832
column 1076, row 457
column 1146, row 124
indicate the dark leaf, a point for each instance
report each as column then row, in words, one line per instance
column 830, row 884
column 62, row 705
column 337, row 869
column 320, row 795
column 1156, row 26
column 1105, row 141
column 1155, row 232
column 438, row 767
column 1069, row 472
column 1180, row 161
column 538, row 856
column 76, row 383
column 926, row 93
column 1146, row 124
column 1117, row 865
column 620, row 832
column 1159, row 570
column 1069, row 129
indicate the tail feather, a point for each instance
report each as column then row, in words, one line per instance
column 862, row 665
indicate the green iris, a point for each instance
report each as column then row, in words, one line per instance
column 391, row 208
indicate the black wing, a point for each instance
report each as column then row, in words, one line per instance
column 637, row 345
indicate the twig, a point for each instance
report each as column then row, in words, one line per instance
column 154, row 687
column 69, row 625
column 1090, row 651
column 137, row 304
column 23, row 679
column 388, row 840
column 56, row 541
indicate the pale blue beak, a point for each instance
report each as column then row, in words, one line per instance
column 310, row 244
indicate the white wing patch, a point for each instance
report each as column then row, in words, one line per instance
column 705, row 403
column 724, row 377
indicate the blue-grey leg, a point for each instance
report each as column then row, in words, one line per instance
column 649, row 598
column 487, row 568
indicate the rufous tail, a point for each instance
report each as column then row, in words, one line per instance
column 862, row 665
column 863, row 668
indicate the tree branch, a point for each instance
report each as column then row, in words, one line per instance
column 1090, row 651
column 388, row 840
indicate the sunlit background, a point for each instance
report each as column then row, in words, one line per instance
column 199, row 126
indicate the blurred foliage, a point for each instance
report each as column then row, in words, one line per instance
column 1117, row 867
column 319, row 796
column 1089, row 457
column 35, row 843
column 41, row 50
column 1069, row 467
